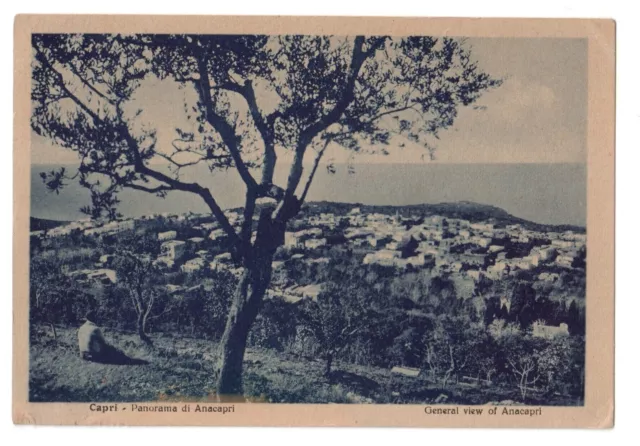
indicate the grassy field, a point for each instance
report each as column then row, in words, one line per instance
column 181, row 369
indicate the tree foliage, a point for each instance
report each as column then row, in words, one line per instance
column 253, row 93
column 333, row 319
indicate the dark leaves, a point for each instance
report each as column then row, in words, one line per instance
column 54, row 180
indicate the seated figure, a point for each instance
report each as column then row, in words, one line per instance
column 90, row 340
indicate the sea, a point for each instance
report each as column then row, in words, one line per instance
column 541, row 193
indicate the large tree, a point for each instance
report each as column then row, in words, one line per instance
column 255, row 94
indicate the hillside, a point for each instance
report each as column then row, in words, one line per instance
column 180, row 369
column 467, row 210
column 474, row 212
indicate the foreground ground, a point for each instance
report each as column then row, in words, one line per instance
column 180, row 369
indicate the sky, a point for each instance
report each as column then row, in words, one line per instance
column 538, row 114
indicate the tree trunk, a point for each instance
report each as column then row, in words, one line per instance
column 445, row 380
column 523, row 386
column 327, row 370
column 489, row 374
column 141, row 329
column 247, row 300
column 53, row 329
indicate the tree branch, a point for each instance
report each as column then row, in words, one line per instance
column 357, row 60
column 43, row 59
column 162, row 313
column 150, row 303
column 151, row 190
column 204, row 193
column 136, row 303
column 88, row 85
column 264, row 125
column 295, row 174
column 225, row 130
column 247, row 223
column 195, row 188
column 316, row 162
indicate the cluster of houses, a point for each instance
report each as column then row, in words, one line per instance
column 450, row 245
column 173, row 251
column 103, row 276
column 468, row 251
column 88, row 227
column 103, row 273
column 447, row 245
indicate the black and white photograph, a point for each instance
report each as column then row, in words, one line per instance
column 309, row 219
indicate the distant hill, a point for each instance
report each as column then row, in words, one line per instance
column 467, row 210
column 41, row 224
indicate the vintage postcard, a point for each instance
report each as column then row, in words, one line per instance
column 288, row 221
